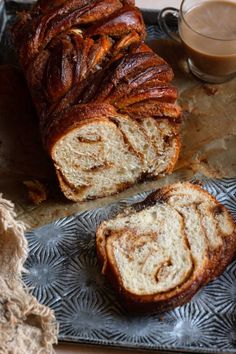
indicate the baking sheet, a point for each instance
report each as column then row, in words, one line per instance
column 63, row 273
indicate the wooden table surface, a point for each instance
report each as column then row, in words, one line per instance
column 63, row 348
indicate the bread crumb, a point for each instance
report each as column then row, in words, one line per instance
column 37, row 191
column 210, row 89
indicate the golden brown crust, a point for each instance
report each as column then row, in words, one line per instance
column 77, row 115
column 87, row 60
column 177, row 146
column 216, row 263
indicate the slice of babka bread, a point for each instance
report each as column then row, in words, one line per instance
column 160, row 252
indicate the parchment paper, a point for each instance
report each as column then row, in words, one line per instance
column 208, row 140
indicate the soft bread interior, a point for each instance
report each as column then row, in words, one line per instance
column 94, row 159
column 150, row 255
column 164, row 137
column 103, row 157
column 214, row 220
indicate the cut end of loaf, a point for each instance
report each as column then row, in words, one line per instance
column 107, row 155
column 158, row 257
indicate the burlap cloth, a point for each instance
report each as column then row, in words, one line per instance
column 25, row 325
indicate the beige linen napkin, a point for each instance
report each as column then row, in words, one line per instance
column 25, row 325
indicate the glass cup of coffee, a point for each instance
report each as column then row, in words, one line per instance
column 207, row 30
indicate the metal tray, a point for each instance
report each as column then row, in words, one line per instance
column 62, row 271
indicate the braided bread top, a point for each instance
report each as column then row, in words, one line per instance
column 78, row 52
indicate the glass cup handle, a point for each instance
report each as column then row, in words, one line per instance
column 162, row 16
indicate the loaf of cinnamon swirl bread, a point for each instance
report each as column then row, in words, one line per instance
column 106, row 107
column 160, row 252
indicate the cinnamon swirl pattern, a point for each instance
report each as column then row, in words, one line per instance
column 107, row 110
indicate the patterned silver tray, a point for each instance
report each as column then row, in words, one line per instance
column 63, row 273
